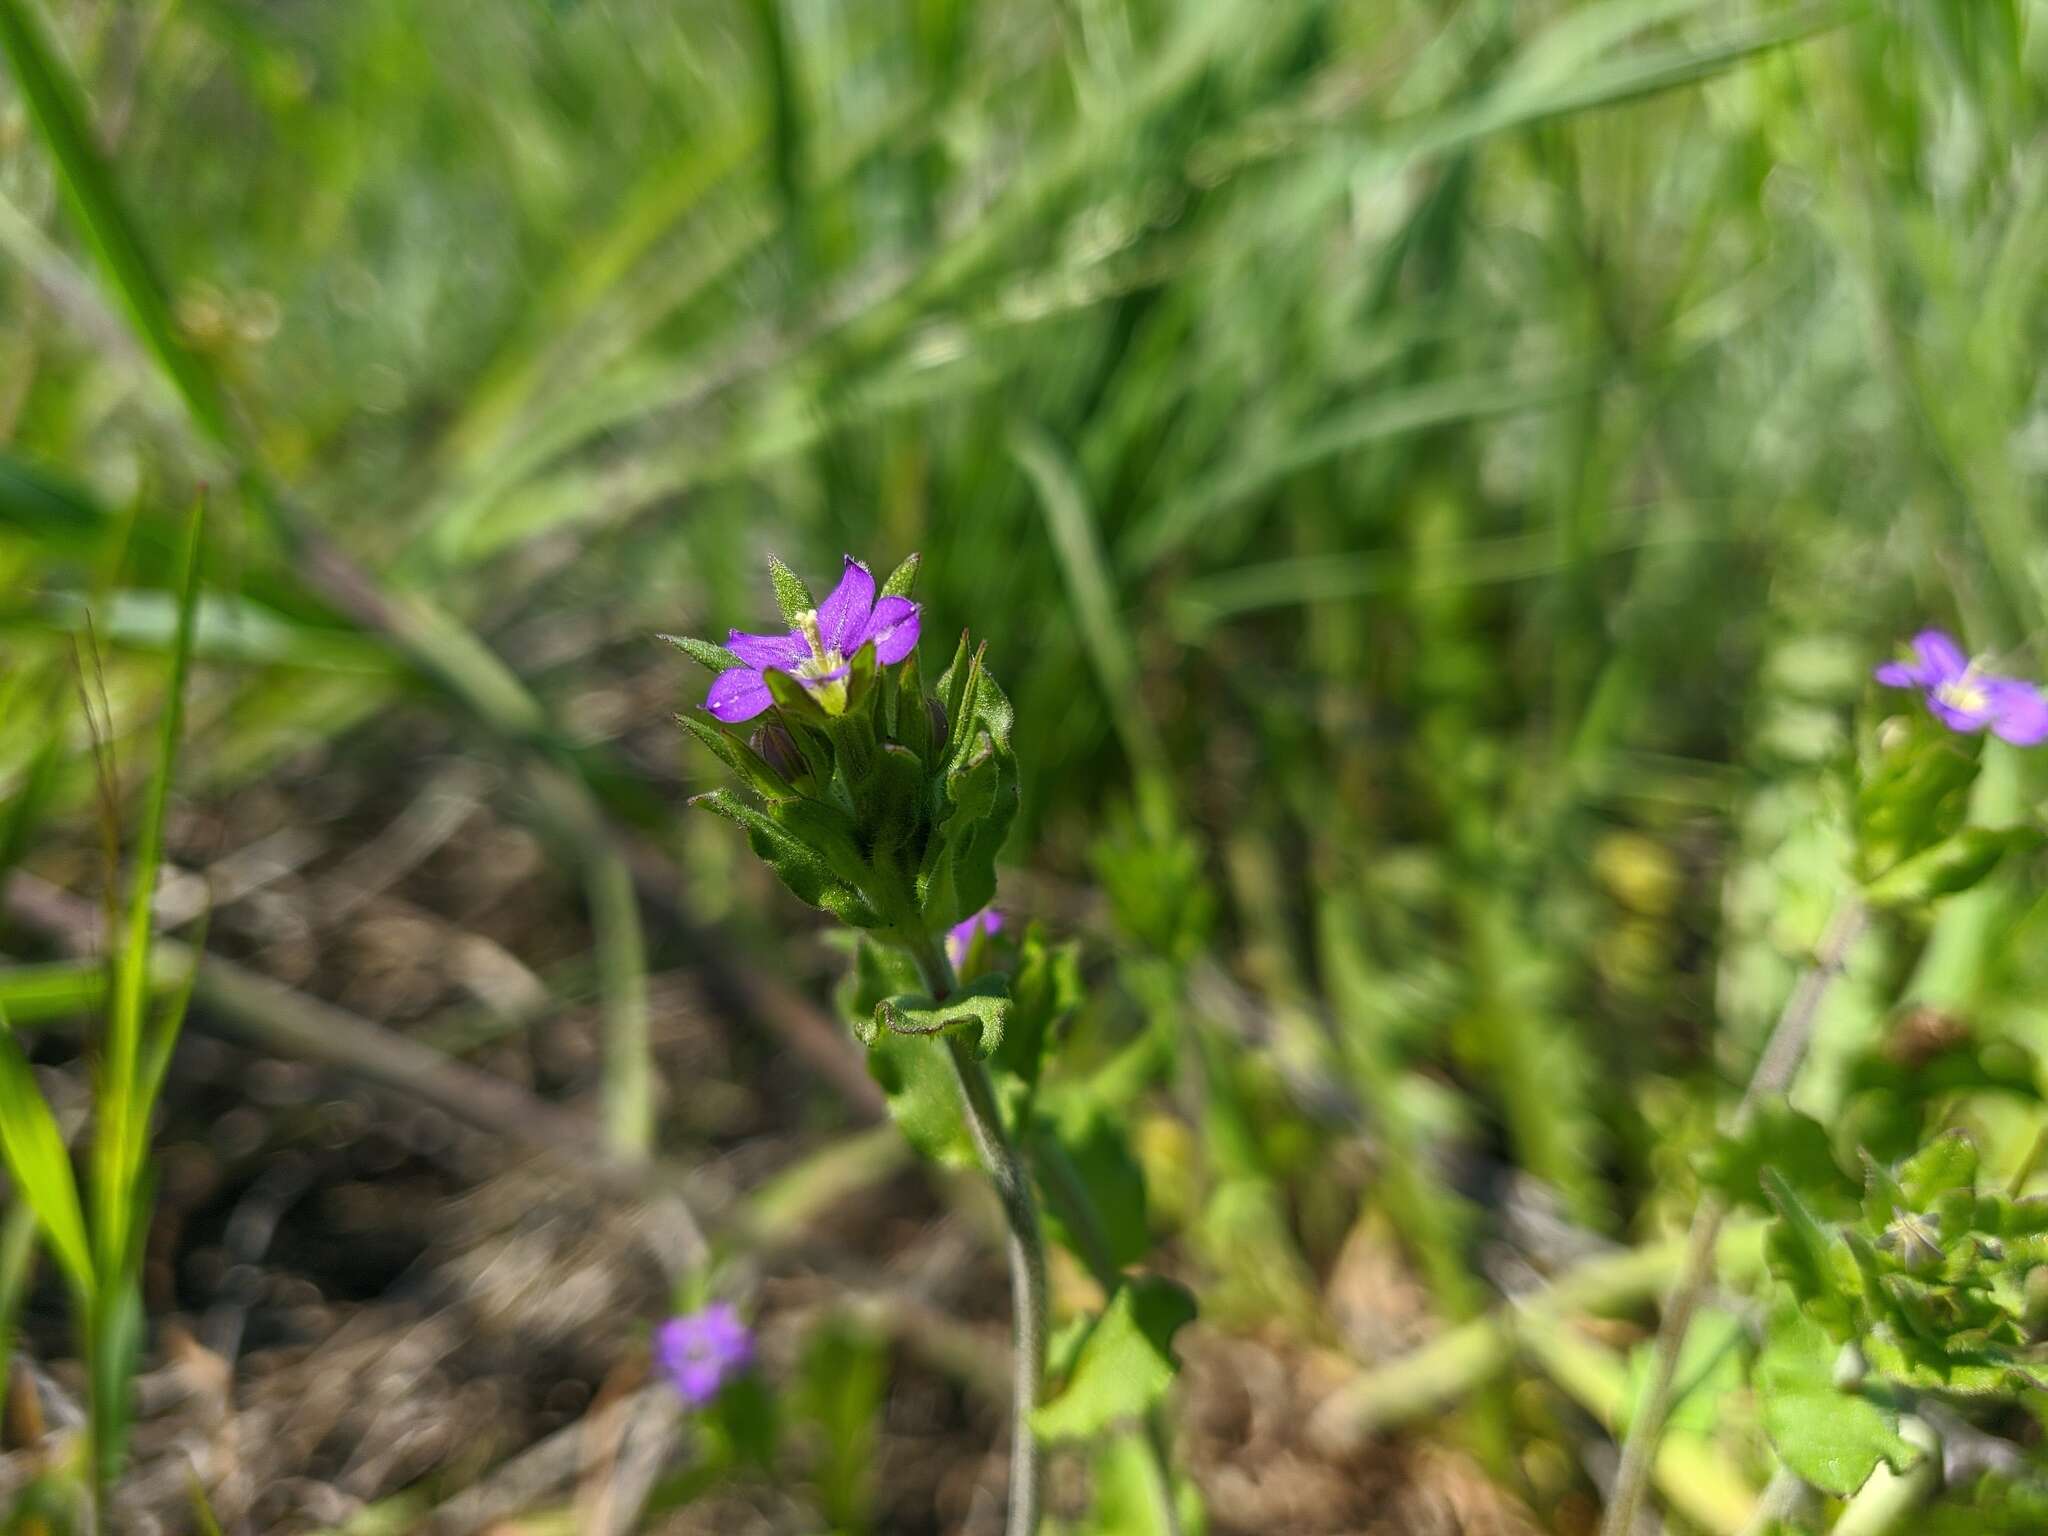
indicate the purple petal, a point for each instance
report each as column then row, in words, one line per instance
column 767, row 650
column 700, row 1352
column 843, row 617
column 738, row 694
column 893, row 628
column 1897, row 674
column 2019, row 711
column 960, row 937
column 1957, row 718
column 1941, row 659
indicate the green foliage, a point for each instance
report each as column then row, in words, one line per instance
column 1913, row 783
column 1831, row 1435
column 980, row 1009
column 1929, row 1281
column 1795, row 1148
column 41, row 1167
column 1125, row 1364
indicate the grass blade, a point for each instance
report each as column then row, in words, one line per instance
column 57, row 106
column 41, row 1166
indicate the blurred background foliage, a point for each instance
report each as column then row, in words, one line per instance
column 1433, row 477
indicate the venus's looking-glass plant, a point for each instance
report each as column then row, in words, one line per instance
column 699, row 1352
column 885, row 805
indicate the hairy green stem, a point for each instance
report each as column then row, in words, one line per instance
column 1026, row 1247
column 1782, row 1054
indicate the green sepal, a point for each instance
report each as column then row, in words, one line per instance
column 911, row 722
column 983, row 1007
column 902, row 579
column 862, row 670
column 792, row 697
column 713, row 658
column 952, row 690
column 791, row 595
column 740, row 758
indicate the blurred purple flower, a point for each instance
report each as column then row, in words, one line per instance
column 1964, row 699
column 702, row 1350
column 817, row 653
column 960, row 937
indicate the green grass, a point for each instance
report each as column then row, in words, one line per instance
column 1450, row 466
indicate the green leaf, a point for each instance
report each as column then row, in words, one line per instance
column 1046, row 989
column 713, row 658
column 983, row 1007
column 41, row 1166
column 1131, row 1489
column 739, row 757
column 1831, row 1438
column 1807, row 1257
column 1796, row 1146
column 1709, row 1369
column 797, row 865
column 1125, row 1367
column 1954, row 864
column 924, row 1097
column 791, row 595
column 1093, row 1183
column 1949, row 1162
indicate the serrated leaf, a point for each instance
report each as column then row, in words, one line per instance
column 1126, row 1365
column 1796, row 1147
column 1949, row 1162
column 714, row 658
column 1832, row 1438
column 791, row 595
column 981, row 1008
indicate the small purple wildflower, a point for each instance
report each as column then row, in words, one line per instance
column 960, row 937
column 819, row 651
column 702, row 1350
column 1965, row 699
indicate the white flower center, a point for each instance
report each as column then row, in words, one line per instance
column 1965, row 694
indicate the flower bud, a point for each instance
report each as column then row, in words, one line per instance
column 774, row 745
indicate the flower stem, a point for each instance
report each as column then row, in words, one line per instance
column 1026, row 1247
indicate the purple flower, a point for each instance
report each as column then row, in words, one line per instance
column 702, row 1350
column 1964, row 699
column 818, row 652
column 960, row 937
